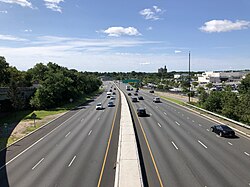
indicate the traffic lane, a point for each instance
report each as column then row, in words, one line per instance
column 240, row 163
column 200, row 124
column 157, row 136
column 62, row 133
column 220, row 145
column 53, row 141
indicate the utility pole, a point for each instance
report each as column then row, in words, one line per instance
column 189, row 77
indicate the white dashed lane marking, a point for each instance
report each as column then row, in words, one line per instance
column 229, row 143
column 159, row 124
column 177, row 123
column 89, row 132
column 72, row 161
column 175, row 146
column 247, row 154
column 37, row 163
column 202, row 144
column 67, row 134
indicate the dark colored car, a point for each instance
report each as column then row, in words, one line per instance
column 110, row 104
column 134, row 99
column 223, row 130
column 114, row 88
column 135, row 93
column 141, row 112
column 129, row 94
column 151, row 91
column 140, row 98
column 114, row 93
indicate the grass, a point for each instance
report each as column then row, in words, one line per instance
column 173, row 100
column 16, row 117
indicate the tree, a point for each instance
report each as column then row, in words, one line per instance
column 230, row 103
column 209, row 85
column 15, row 96
column 5, row 74
column 214, row 102
column 245, row 85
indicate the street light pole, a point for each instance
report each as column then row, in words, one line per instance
column 189, row 77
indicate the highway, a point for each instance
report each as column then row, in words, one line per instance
column 185, row 151
column 72, row 154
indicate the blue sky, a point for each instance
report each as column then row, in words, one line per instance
column 126, row 35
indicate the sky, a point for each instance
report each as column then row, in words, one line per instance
column 114, row 35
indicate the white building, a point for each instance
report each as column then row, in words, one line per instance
column 219, row 77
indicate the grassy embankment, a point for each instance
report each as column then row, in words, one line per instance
column 14, row 119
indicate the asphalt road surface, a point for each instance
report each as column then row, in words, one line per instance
column 72, row 154
column 185, row 151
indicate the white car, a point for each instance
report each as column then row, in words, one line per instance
column 156, row 100
column 99, row 106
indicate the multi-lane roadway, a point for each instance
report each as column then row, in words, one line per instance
column 176, row 148
column 74, row 153
column 185, row 151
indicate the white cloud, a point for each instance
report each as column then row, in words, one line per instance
column 12, row 38
column 118, row 31
column 150, row 28
column 4, row 11
column 144, row 63
column 27, row 30
column 23, row 3
column 177, row 51
column 151, row 14
column 54, row 5
column 224, row 25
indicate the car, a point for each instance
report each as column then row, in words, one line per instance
column 156, row 100
column 112, row 98
column 114, row 88
column 131, row 89
column 114, row 93
column 141, row 112
column 110, row 104
column 140, row 98
column 110, row 90
column 135, row 93
column 99, row 106
column 129, row 94
column 223, row 130
column 134, row 99
column 151, row 91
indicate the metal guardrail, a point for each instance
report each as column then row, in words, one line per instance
column 220, row 116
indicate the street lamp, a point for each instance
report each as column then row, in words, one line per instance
column 189, row 77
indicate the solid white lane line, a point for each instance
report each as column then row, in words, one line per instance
column 38, row 141
column 175, row 145
column 247, row 153
column 37, row 164
column 67, row 134
column 177, row 123
column 208, row 130
column 159, row 124
column 229, row 143
column 202, row 144
column 89, row 132
column 72, row 161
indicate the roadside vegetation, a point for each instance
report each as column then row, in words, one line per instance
column 54, row 90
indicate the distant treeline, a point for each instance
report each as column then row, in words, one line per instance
column 56, row 85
